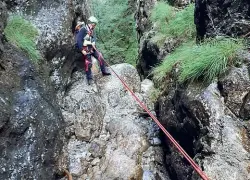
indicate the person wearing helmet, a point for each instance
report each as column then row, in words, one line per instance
column 85, row 41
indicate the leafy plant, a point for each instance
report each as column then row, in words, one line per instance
column 23, row 34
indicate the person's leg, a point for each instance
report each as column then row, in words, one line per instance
column 88, row 65
column 100, row 59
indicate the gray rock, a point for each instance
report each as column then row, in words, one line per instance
column 84, row 110
column 230, row 159
column 3, row 21
column 116, row 150
column 156, row 141
column 141, row 16
column 180, row 3
column 201, row 122
column 235, row 87
column 31, row 123
column 152, row 164
column 227, row 17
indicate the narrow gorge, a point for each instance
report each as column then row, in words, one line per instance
column 53, row 123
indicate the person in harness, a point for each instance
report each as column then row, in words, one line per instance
column 85, row 42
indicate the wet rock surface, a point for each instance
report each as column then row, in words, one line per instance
column 226, row 17
column 32, row 127
column 31, row 123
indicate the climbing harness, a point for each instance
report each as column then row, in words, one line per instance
column 176, row 144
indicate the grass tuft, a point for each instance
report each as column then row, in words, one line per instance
column 200, row 62
column 23, row 34
column 171, row 23
column 162, row 13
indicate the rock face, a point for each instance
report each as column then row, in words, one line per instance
column 180, row 3
column 226, row 17
column 207, row 123
column 108, row 140
column 235, row 88
column 147, row 51
column 142, row 14
column 211, row 123
column 3, row 21
column 103, row 124
column 54, row 21
column 31, row 123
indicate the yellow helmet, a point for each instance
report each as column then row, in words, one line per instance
column 93, row 19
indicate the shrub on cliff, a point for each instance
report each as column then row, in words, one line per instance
column 200, row 62
column 23, row 34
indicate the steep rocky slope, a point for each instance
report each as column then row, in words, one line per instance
column 108, row 138
column 210, row 122
column 52, row 120
column 31, row 123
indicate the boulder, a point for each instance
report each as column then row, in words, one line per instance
column 120, row 144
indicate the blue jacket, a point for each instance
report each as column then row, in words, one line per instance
column 80, row 35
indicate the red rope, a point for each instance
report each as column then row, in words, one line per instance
column 181, row 150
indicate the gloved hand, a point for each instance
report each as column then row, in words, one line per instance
column 84, row 52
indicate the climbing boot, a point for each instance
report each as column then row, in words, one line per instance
column 90, row 81
column 106, row 73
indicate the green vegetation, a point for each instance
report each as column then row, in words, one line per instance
column 171, row 23
column 202, row 62
column 116, row 32
column 154, row 94
column 22, row 34
column 205, row 61
column 162, row 13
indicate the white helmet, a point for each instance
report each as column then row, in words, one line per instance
column 93, row 19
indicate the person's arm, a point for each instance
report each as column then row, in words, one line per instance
column 79, row 38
